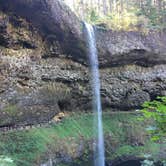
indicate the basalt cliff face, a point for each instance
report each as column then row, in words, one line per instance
column 44, row 67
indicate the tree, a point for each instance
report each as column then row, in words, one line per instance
column 149, row 14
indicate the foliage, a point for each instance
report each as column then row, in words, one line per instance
column 115, row 21
column 12, row 114
column 11, row 110
column 94, row 17
column 52, row 93
column 122, row 15
column 28, row 147
column 147, row 163
column 6, row 161
column 127, row 22
column 154, row 15
column 156, row 110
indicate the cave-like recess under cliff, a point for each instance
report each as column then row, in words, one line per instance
column 44, row 67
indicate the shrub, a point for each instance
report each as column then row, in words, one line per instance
column 6, row 161
column 156, row 110
column 53, row 93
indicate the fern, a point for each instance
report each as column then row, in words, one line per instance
column 156, row 110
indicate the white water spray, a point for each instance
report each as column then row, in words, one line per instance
column 99, row 157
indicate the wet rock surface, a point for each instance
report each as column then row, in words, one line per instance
column 123, row 48
column 54, row 21
column 58, row 25
column 43, row 71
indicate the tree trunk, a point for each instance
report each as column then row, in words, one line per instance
column 104, row 7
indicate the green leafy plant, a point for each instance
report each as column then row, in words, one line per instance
column 147, row 161
column 6, row 161
column 156, row 111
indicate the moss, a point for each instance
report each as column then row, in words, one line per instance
column 11, row 110
column 20, row 37
column 17, row 53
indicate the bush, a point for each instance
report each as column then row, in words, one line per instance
column 156, row 111
column 6, row 161
column 52, row 93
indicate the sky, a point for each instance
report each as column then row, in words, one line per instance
column 69, row 3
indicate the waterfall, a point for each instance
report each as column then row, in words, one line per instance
column 99, row 157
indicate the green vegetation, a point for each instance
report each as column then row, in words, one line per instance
column 52, row 93
column 122, row 131
column 6, row 161
column 12, row 114
column 11, row 110
column 129, row 20
column 156, row 111
column 122, row 14
column 155, row 14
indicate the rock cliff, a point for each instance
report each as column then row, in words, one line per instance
column 44, row 67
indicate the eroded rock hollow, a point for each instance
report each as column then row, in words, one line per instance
column 44, row 68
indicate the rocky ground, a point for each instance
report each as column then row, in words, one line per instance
column 44, row 67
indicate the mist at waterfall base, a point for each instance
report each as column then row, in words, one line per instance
column 99, row 157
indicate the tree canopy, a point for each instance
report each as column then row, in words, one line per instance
column 122, row 14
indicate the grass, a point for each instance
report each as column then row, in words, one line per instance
column 27, row 147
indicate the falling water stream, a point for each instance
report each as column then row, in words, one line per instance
column 99, row 158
